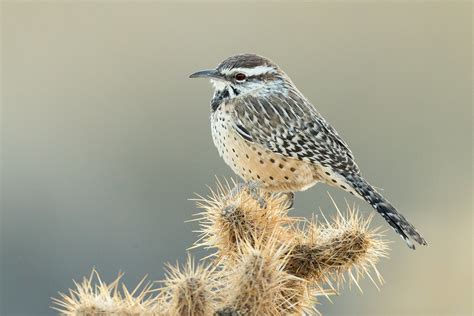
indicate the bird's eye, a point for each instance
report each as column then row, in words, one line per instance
column 240, row 76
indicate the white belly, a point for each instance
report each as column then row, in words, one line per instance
column 253, row 162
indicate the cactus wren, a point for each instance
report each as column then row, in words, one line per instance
column 272, row 136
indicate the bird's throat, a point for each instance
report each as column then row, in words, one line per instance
column 220, row 96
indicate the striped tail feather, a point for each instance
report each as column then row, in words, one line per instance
column 394, row 218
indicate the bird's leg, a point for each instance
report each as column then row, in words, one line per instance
column 256, row 194
column 253, row 189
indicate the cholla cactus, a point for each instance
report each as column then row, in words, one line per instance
column 266, row 263
column 326, row 252
column 231, row 217
column 189, row 290
column 258, row 283
column 94, row 297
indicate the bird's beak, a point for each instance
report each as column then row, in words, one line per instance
column 211, row 73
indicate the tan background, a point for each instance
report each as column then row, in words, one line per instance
column 104, row 138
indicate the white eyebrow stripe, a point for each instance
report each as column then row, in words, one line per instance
column 259, row 70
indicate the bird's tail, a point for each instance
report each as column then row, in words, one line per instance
column 398, row 222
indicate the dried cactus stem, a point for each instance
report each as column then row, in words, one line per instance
column 267, row 265
column 229, row 219
column 227, row 311
column 190, row 290
column 257, row 283
column 238, row 226
column 323, row 253
column 311, row 262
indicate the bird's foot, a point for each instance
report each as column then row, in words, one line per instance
column 253, row 189
column 290, row 199
column 256, row 194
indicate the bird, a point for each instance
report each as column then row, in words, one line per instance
column 271, row 136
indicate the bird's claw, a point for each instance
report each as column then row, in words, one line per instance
column 254, row 191
column 290, row 199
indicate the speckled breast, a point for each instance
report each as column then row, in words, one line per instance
column 255, row 163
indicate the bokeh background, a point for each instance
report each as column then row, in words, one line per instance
column 104, row 138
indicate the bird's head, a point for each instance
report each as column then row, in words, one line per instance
column 243, row 74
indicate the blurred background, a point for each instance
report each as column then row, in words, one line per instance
column 104, row 138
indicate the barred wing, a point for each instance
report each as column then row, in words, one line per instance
column 291, row 126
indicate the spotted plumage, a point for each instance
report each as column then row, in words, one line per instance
column 271, row 135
